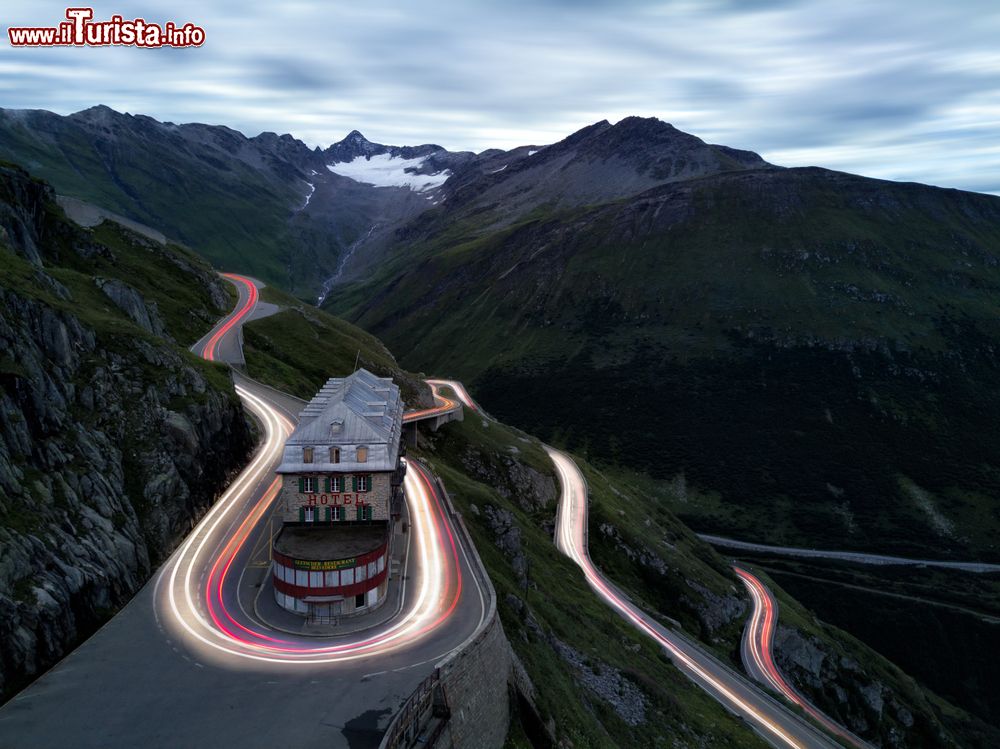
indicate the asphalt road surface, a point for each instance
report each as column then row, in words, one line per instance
column 858, row 557
column 185, row 665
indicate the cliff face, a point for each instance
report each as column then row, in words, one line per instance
column 113, row 440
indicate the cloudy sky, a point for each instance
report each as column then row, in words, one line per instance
column 902, row 89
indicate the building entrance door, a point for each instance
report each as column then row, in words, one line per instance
column 322, row 611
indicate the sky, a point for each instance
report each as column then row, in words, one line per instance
column 906, row 90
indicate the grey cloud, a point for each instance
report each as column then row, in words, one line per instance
column 878, row 89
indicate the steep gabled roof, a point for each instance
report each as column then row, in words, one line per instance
column 359, row 410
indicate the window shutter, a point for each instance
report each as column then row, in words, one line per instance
column 360, row 508
column 327, row 513
column 302, row 484
column 302, row 513
column 354, row 483
column 326, row 484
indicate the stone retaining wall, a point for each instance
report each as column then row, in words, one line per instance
column 465, row 703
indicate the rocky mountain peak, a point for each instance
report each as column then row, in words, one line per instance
column 656, row 148
column 353, row 146
column 100, row 113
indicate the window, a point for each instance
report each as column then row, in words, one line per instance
column 310, row 514
column 360, row 574
column 301, row 578
column 338, row 513
column 362, row 454
column 347, row 576
column 335, row 483
column 334, row 454
column 315, row 579
column 359, row 601
column 307, row 455
column 332, row 578
column 307, row 485
column 363, row 483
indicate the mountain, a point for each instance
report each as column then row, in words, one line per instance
column 114, row 439
column 267, row 205
column 95, row 321
column 597, row 164
column 797, row 357
column 814, row 351
column 308, row 219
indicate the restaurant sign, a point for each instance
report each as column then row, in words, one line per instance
column 320, row 566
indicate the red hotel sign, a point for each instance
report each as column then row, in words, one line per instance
column 312, row 500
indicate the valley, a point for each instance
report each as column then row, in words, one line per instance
column 787, row 357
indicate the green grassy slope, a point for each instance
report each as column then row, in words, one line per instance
column 935, row 624
column 502, row 479
column 664, row 568
column 300, row 347
column 137, row 168
column 851, row 668
column 546, row 606
column 181, row 287
column 814, row 350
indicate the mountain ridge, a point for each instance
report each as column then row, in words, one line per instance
column 273, row 206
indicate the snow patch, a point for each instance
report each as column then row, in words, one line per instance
column 532, row 152
column 498, row 170
column 384, row 170
column 312, row 189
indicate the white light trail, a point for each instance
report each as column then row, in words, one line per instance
column 571, row 540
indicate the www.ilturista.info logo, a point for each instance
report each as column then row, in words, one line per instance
column 80, row 30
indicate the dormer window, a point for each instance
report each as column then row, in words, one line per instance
column 362, row 454
column 307, row 455
column 334, row 454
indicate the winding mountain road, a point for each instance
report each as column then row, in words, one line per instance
column 778, row 725
column 757, row 653
column 188, row 663
column 858, row 557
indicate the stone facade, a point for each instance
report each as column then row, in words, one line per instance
column 384, row 493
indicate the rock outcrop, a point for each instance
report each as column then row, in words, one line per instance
column 513, row 479
column 113, row 441
column 856, row 695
